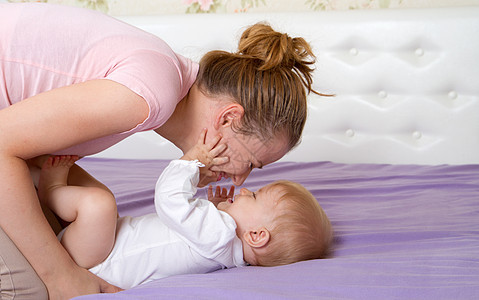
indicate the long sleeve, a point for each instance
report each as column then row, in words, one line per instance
column 210, row 232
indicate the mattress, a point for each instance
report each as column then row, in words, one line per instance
column 401, row 232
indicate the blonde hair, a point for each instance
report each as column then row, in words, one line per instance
column 300, row 229
column 270, row 77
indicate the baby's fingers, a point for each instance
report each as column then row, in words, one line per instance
column 219, row 160
column 210, row 192
column 224, row 193
column 213, row 144
column 217, row 150
column 232, row 192
column 202, row 138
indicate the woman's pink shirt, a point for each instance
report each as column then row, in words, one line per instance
column 43, row 47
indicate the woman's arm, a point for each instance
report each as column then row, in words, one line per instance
column 44, row 124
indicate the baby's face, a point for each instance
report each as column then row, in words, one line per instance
column 252, row 210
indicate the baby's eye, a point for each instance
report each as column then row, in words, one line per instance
column 251, row 166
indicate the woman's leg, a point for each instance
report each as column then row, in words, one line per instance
column 18, row 280
column 91, row 211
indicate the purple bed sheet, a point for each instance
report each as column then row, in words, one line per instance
column 401, row 232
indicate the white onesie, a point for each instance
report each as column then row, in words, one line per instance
column 186, row 235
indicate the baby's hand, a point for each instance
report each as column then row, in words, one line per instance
column 220, row 195
column 207, row 154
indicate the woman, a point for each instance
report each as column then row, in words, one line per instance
column 75, row 82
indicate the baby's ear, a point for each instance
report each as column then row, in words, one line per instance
column 257, row 238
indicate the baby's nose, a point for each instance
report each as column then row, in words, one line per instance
column 244, row 191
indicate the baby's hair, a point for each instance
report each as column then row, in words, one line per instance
column 269, row 76
column 299, row 231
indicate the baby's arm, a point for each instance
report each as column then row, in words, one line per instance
column 208, row 155
column 206, row 229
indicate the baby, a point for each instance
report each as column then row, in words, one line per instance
column 279, row 224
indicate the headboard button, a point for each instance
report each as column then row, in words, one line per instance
column 353, row 51
column 350, row 133
column 382, row 94
column 419, row 52
column 452, row 95
column 417, row 135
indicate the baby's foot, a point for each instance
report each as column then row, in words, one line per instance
column 54, row 174
column 38, row 161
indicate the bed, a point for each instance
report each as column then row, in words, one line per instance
column 393, row 158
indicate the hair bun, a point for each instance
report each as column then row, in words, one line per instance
column 278, row 50
column 275, row 49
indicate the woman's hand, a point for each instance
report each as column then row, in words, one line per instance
column 207, row 154
column 220, row 195
column 78, row 282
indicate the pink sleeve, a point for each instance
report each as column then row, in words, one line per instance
column 157, row 78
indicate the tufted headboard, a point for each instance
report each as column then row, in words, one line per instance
column 406, row 82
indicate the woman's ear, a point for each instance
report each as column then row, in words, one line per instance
column 230, row 113
column 257, row 238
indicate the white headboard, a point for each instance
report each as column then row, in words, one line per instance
column 406, row 82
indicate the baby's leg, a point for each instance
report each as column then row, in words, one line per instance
column 91, row 210
column 52, row 183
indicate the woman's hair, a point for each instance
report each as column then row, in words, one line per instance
column 270, row 77
column 300, row 230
